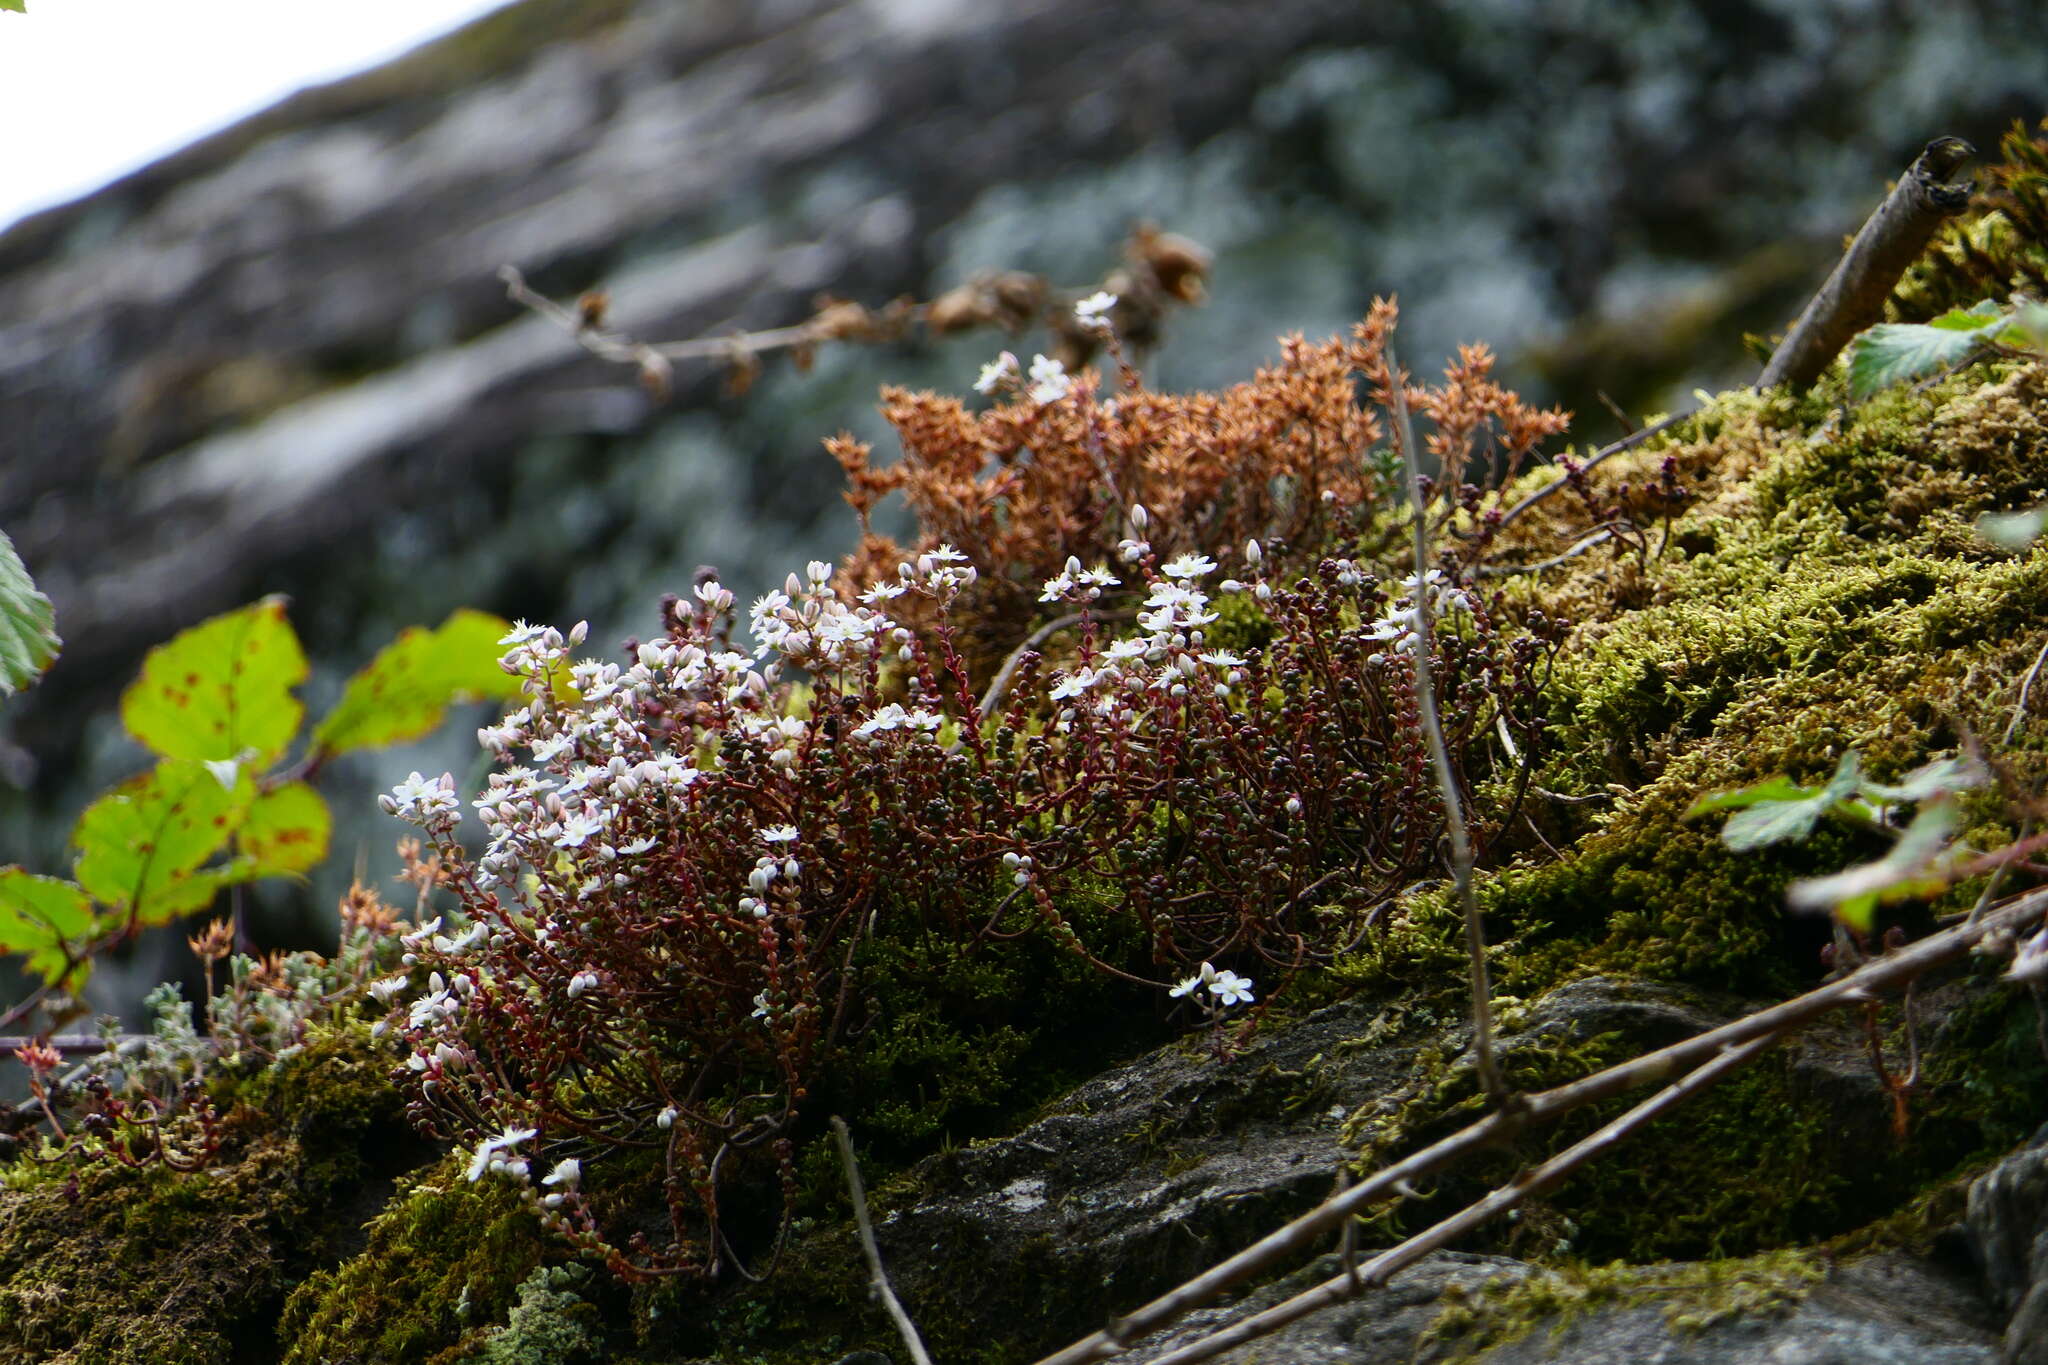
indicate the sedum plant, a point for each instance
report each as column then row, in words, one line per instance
column 729, row 885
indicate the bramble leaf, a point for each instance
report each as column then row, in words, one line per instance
column 28, row 635
column 221, row 690
column 405, row 690
column 141, row 846
column 286, row 832
column 1895, row 352
column 38, row 916
column 1914, row 866
column 1779, row 810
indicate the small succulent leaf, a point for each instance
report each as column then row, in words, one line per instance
column 28, row 634
column 286, row 832
column 140, row 847
column 404, row 692
column 2013, row 530
column 221, row 690
column 1897, row 352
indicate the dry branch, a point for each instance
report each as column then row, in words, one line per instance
column 1893, row 238
column 1527, row 1184
column 1304, row 1233
column 878, row 1278
column 1439, row 754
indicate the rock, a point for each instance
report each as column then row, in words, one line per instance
column 1156, row 1170
column 1883, row 1310
column 2008, row 1223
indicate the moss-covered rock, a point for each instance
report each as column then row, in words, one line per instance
column 111, row 1264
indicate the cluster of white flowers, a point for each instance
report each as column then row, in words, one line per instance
column 1228, row 987
column 1076, row 584
column 1402, row 626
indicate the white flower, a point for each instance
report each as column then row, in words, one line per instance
column 761, row 1005
column 1232, row 989
column 581, row 982
column 382, row 991
column 487, row 1150
column 1188, row 566
column 1189, row 984
column 568, row 1173
column 996, row 373
column 522, row 633
column 666, row 1119
column 1049, row 380
column 882, row 592
column 779, row 834
column 1093, row 311
column 432, row 804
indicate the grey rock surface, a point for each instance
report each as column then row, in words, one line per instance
column 2008, row 1222
column 1156, row 1170
column 1883, row 1310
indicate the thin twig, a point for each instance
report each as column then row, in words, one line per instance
column 1440, row 755
column 1599, row 537
column 878, row 1278
column 2019, row 709
column 1387, row 1264
column 1301, row 1235
column 1593, row 461
column 1891, row 239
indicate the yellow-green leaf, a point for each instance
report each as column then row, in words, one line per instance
column 221, row 690
column 286, row 831
column 407, row 688
column 39, row 916
column 140, row 847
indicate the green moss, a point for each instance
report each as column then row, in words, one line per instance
column 444, row 1263
column 551, row 1324
column 1506, row 1309
column 116, row 1264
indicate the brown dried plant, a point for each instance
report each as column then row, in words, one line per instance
column 1283, row 458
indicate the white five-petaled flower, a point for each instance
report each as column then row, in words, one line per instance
column 779, row 834
column 487, row 1150
column 1093, row 311
column 1190, row 984
column 1002, row 370
column 1232, row 989
column 568, row 1173
column 1188, row 566
column 1049, row 380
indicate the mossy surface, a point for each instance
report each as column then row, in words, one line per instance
column 112, row 1264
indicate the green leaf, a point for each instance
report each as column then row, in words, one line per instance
column 1915, row 866
column 1895, row 352
column 221, row 690
column 1779, row 810
column 18, row 6
column 39, row 916
column 407, row 688
column 28, row 635
column 286, row 832
column 1940, row 778
column 2013, row 531
column 2030, row 323
column 141, row 846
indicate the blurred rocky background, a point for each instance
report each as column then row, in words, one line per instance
column 281, row 361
